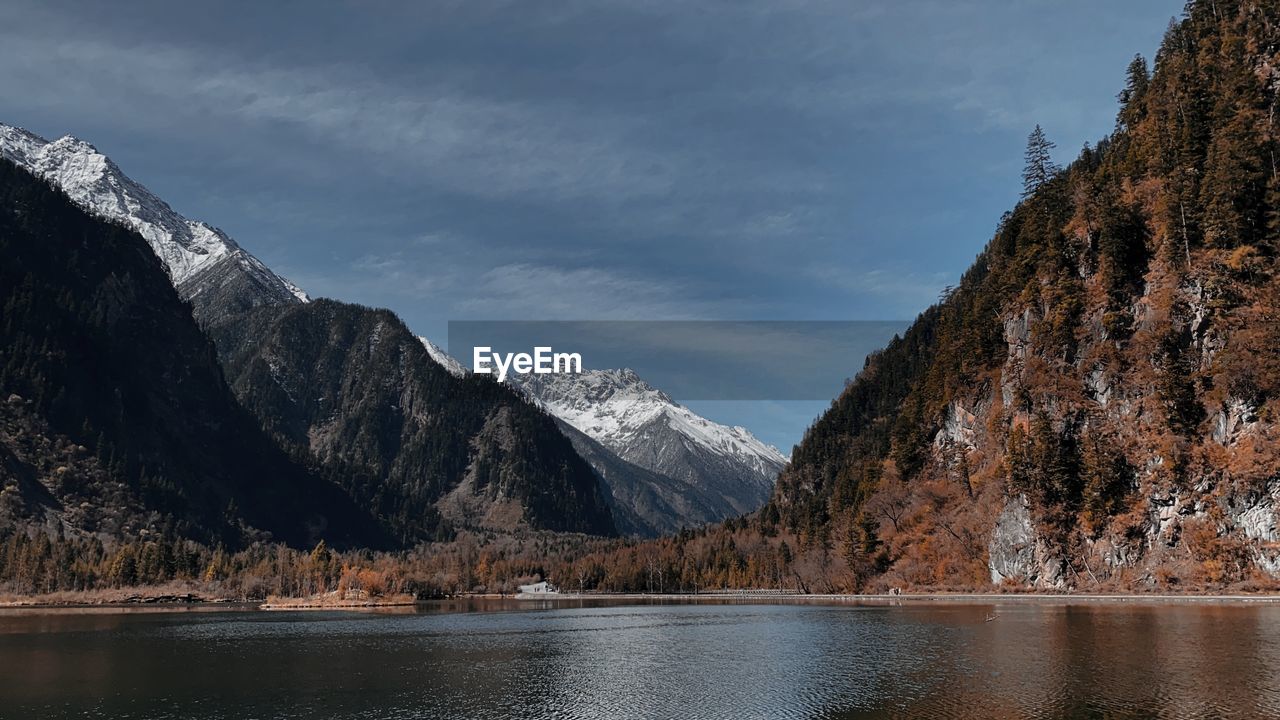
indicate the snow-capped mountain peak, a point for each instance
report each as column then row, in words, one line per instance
column 728, row 467
column 619, row 409
column 600, row 403
column 207, row 267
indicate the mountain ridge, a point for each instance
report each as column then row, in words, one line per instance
column 228, row 288
column 209, row 269
column 726, row 471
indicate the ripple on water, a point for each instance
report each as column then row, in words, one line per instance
column 672, row 661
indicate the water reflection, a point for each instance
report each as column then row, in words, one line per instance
column 590, row 660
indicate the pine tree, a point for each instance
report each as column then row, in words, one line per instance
column 1039, row 168
column 1235, row 182
column 1137, row 78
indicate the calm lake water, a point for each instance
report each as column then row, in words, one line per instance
column 509, row 660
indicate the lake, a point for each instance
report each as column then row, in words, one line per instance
column 492, row 659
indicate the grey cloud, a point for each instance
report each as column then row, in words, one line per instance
column 475, row 144
column 542, row 292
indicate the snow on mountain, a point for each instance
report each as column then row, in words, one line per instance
column 446, row 360
column 645, row 427
column 668, row 467
column 615, row 408
column 207, row 267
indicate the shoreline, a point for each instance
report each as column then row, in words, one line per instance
column 332, row 603
column 138, row 601
column 941, row 597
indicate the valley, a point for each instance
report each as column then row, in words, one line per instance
column 1089, row 410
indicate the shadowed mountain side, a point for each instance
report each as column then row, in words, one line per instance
column 428, row 452
column 644, row 502
column 97, row 339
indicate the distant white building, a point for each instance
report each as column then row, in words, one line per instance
column 542, row 588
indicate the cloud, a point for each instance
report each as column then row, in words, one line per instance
column 510, row 291
column 377, row 279
column 902, row 291
column 584, row 140
column 620, row 159
column 527, row 291
column 464, row 141
column 645, row 159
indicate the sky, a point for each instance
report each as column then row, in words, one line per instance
column 570, row 160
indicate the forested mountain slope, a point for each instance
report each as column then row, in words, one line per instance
column 1096, row 402
column 117, row 419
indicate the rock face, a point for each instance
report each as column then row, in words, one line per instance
column 1012, row 549
column 426, row 450
column 209, row 269
column 1237, row 418
column 1015, row 553
column 1256, row 519
column 644, row 503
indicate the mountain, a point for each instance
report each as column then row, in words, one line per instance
column 713, row 471
column 429, row 452
column 117, row 420
column 400, row 468
column 675, row 470
column 665, row 467
column 212, row 272
column 644, row 503
column 1096, row 403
